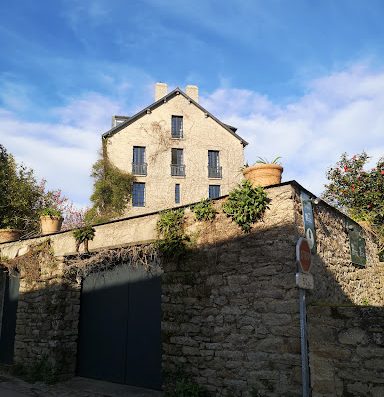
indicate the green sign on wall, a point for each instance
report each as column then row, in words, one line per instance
column 309, row 221
column 357, row 245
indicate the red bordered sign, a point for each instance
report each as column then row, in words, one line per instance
column 303, row 254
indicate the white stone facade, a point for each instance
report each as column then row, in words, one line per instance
column 201, row 132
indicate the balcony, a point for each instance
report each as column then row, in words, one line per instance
column 215, row 172
column 139, row 169
column 177, row 169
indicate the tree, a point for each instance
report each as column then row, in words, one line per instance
column 22, row 198
column 358, row 192
column 111, row 191
column 20, row 194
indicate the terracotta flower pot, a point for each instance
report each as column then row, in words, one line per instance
column 264, row 174
column 7, row 235
column 50, row 224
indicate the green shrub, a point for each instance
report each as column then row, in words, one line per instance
column 112, row 190
column 172, row 240
column 41, row 371
column 184, row 387
column 170, row 223
column 50, row 211
column 246, row 205
column 204, row 210
column 358, row 191
column 83, row 235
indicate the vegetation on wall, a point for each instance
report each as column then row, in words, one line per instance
column 358, row 192
column 172, row 242
column 112, row 191
column 204, row 210
column 83, row 235
column 41, row 371
column 29, row 264
column 145, row 256
column 246, row 205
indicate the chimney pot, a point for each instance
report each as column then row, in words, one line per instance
column 193, row 92
column 161, row 90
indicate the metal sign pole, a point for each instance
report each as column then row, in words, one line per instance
column 304, row 344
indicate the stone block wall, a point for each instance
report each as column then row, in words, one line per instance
column 337, row 279
column 346, row 347
column 230, row 310
column 47, row 322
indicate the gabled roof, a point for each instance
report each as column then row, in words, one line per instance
column 176, row 91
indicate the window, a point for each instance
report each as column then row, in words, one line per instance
column 177, row 126
column 214, row 169
column 177, row 166
column 213, row 191
column 138, row 194
column 177, row 193
column 139, row 166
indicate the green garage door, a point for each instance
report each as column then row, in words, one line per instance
column 9, row 296
column 120, row 327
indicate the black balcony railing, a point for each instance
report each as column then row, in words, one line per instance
column 177, row 169
column 139, row 169
column 215, row 172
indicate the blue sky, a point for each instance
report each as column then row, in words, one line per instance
column 300, row 79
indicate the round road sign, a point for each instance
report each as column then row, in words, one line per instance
column 303, row 254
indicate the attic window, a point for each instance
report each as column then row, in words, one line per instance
column 177, row 127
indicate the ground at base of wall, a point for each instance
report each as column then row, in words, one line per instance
column 76, row 387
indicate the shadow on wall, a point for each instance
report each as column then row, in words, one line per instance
column 229, row 322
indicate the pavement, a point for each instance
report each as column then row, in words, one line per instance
column 11, row 386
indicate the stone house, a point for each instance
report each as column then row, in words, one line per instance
column 227, row 314
column 178, row 152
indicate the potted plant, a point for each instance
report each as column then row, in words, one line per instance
column 8, row 234
column 264, row 172
column 50, row 220
column 9, row 230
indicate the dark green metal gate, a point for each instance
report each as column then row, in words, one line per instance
column 120, row 327
column 9, row 296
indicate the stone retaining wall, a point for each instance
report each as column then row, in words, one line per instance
column 346, row 347
column 230, row 311
column 47, row 323
column 231, row 308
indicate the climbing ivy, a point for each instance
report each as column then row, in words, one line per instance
column 111, row 190
column 246, row 204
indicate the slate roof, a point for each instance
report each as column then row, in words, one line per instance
column 176, row 91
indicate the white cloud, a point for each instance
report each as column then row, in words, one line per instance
column 61, row 152
column 341, row 112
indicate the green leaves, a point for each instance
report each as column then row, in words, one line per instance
column 262, row 160
column 49, row 211
column 84, row 233
column 20, row 195
column 172, row 241
column 246, row 204
column 204, row 210
column 111, row 191
column 357, row 191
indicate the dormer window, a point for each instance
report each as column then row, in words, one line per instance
column 177, row 127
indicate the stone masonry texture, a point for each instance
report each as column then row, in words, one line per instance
column 230, row 308
column 47, row 321
column 346, row 351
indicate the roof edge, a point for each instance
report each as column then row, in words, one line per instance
column 159, row 102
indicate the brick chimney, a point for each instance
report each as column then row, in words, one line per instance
column 161, row 90
column 193, row 92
